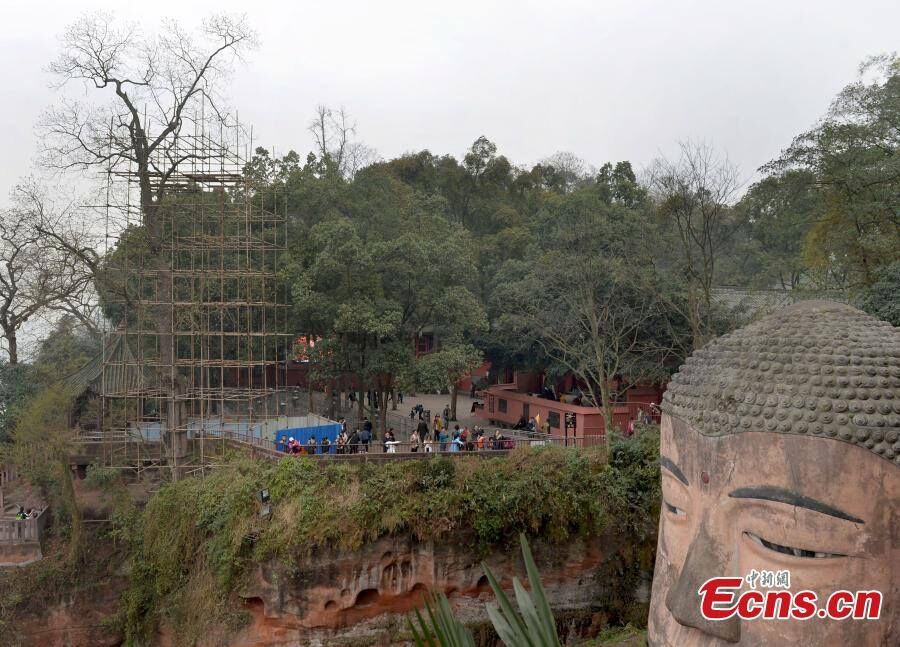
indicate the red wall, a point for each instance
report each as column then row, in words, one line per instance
column 588, row 420
column 465, row 384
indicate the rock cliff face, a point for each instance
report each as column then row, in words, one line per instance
column 363, row 597
column 76, row 620
column 359, row 598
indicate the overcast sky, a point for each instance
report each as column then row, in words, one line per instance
column 605, row 80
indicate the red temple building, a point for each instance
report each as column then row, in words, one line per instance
column 521, row 397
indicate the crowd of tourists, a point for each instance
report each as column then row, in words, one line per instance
column 436, row 437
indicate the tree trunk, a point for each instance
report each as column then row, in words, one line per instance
column 382, row 414
column 394, row 400
column 13, row 347
column 76, row 544
column 453, row 394
column 606, row 407
column 361, row 406
column 329, row 399
column 696, row 318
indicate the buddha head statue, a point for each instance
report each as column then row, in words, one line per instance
column 780, row 453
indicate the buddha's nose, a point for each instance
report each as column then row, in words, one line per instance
column 705, row 559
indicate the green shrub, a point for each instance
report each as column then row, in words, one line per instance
column 200, row 533
column 100, row 477
column 435, row 474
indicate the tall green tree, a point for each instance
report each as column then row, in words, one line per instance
column 854, row 155
column 371, row 280
column 779, row 212
column 584, row 297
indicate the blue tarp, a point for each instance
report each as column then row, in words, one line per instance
column 302, row 434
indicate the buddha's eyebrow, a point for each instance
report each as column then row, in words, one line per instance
column 780, row 495
column 673, row 468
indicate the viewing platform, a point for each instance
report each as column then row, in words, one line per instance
column 20, row 539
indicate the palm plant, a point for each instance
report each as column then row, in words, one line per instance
column 531, row 626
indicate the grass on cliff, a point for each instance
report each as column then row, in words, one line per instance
column 194, row 540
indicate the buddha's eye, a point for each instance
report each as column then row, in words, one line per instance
column 674, row 510
column 790, row 550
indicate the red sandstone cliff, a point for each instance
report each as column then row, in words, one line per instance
column 364, row 596
column 358, row 598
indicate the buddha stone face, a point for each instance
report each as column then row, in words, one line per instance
column 788, row 469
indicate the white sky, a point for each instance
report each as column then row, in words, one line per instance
column 607, row 80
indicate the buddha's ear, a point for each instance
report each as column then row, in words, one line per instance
column 705, row 559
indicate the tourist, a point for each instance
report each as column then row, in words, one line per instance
column 422, row 428
column 399, row 397
column 311, row 445
column 366, row 436
column 414, row 441
column 446, row 416
column 354, row 441
column 326, row 445
column 472, row 391
column 455, row 443
column 20, row 515
column 391, row 442
column 442, row 440
column 388, row 437
column 479, row 442
column 429, row 444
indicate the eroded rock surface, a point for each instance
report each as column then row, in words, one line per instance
column 334, row 596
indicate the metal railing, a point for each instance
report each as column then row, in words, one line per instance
column 407, row 449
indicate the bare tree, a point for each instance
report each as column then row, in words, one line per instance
column 694, row 194
column 571, row 169
column 35, row 276
column 333, row 132
column 68, row 241
column 357, row 156
column 154, row 86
